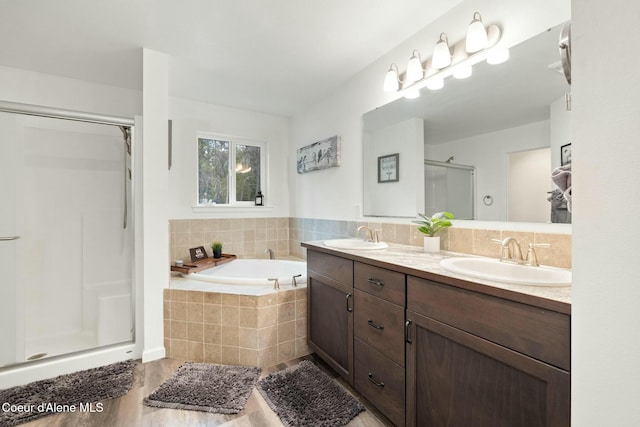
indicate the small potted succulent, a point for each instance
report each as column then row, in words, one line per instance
column 430, row 226
column 216, row 247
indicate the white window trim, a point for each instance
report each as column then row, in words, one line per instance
column 233, row 205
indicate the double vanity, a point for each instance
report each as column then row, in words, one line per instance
column 433, row 344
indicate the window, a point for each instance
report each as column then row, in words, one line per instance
column 230, row 170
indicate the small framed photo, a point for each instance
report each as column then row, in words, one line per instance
column 565, row 154
column 198, row 253
column 389, row 168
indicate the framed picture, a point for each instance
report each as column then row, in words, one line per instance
column 319, row 155
column 389, row 168
column 198, row 253
column 565, row 154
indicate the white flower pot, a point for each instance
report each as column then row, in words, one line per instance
column 431, row 244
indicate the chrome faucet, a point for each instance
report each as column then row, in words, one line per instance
column 270, row 252
column 372, row 235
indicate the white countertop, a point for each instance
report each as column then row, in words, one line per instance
column 413, row 257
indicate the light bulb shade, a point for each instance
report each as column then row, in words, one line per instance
column 391, row 80
column 463, row 72
column 476, row 35
column 412, row 93
column 441, row 54
column 414, row 69
column 498, row 56
column 435, row 83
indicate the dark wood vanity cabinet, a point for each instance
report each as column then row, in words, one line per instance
column 427, row 353
column 379, row 313
column 330, row 310
column 475, row 359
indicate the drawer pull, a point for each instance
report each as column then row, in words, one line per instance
column 407, row 336
column 349, row 309
column 373, row 325
column 376, row 282
column 374, row 382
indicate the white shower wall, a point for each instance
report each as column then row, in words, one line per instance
column 74, row 247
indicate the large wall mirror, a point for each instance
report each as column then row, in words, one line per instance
column 482, row 147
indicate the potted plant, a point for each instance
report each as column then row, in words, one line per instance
column 430, row 226
column 216, row 247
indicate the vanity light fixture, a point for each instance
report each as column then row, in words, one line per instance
column 463, row 72
column 441, row 54
column 435, row 83
column 443, row 63
column 414, row 68
column 498, row 56
column 392, row 79
column 476, row 34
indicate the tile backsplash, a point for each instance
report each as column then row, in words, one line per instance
column 249, row 237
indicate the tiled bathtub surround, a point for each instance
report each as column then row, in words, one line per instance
column 249, row 237
column 246, row 238
column 236, row 329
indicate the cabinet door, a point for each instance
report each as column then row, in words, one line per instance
column 458, row 379
column 330, row 323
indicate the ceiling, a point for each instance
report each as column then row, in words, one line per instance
column 274, row 56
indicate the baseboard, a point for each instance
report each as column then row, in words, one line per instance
column 153, row 354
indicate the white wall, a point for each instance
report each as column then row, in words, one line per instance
column 400, row 198
column 314, row 194
column 560, row 131
column 189, row 117
column 155, row 227
column 488, row 153
column 606, row 214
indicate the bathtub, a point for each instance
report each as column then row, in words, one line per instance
column 244, row 277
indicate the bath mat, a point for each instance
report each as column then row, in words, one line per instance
column 303, row 395
column 220, row 389
column 64, row 393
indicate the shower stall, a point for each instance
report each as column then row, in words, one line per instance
column 449, row 187
column 66, row 234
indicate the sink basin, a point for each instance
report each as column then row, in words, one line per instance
column 355, row 244
column 493, row 269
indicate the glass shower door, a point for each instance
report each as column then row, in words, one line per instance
column 67, row 282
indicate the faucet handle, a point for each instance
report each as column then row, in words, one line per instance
column 376, row 234
column 532, row 257
column 276, row 285
column 496, row 241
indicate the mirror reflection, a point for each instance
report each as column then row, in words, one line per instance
column 483, row 148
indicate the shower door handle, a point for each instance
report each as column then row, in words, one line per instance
column 6, row 239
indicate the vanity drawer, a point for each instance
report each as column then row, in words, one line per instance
column 381, row 381
column 330, row 266
column 379, row 324
column 536, row 332
column 383, row 283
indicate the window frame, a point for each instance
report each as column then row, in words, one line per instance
column 233, row 141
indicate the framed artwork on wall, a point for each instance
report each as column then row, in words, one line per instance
column 319, row 155
column 389, row 168
column 565, row 154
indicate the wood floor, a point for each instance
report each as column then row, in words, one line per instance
column 128, row 410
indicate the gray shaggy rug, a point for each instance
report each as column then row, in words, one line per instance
column 303, row 395
column 220, row 389
column 64, row 393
